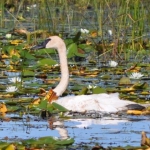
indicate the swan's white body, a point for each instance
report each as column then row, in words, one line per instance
column 98, row 102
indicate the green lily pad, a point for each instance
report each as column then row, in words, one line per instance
column 98, row 90
column 45, row 51
column 48, row 140
column 83, row 91
column 106, row 77
column 3, row 144
column 59, row 107
column 124, row 81
column 28, row 73
column 86, row 48
column 46, row 62
column 140, row 85
column 72, row 50
column 26, row 54
column 43, row 104
column 13, row 108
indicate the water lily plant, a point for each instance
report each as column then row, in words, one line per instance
column 113, row 63
column 15, row 79
column 91, row 87
column 85, row 31
column 11, row 89
column 8, row 36
column 136, row 75
column 110, row 32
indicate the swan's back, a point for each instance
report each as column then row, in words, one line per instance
column 97, row 102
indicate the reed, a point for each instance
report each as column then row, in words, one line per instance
column 2, row 13
column 127, row 19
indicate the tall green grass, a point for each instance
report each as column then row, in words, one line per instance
column 128, row 19
column 2, row 13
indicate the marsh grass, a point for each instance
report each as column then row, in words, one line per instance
column 2, row 13
column 127, row 19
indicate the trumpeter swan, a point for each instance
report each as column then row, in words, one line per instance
column 98, row 102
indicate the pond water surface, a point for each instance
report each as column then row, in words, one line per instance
column 107, row 131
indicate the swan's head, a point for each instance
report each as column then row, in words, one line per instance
column 51, row 42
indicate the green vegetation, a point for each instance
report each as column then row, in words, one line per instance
column 95, row 32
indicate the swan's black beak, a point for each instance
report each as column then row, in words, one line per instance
column 41, row 45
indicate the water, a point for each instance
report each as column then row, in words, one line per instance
column 106, row 131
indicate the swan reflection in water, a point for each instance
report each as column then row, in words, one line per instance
column 105, row 131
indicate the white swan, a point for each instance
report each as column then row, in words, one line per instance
column 97, row 102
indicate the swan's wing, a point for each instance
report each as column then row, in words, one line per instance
column 97, row 102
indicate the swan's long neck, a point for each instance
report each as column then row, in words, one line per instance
column 61, row 87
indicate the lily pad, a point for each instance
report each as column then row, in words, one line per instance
column 72, row 50
column 98, row 90
column 46, row 62
column 59, row 107
column 105, row 77
column 28, row 73
column 124, row 81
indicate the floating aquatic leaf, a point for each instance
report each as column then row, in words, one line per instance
column 128, row 89
column 140, row 85
column 134, row 112
column 68, row 141
column 145, row 141
column 14, row 108
column 3, row 144
column 49, row 140
column 46, row 62
column 145, row 93
column 26, row 54
column 59, row 107
column 14, row 52
column 72, row 50
column 28, row 73
column 124, row 81
column 43, row 104
column 98, row 90
column 86, row 48
column 16, row 42
column 11, row 147
column 83, row 91
column 105, row 77
column 94, row 34
column 3, row 108
column 36, row 101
